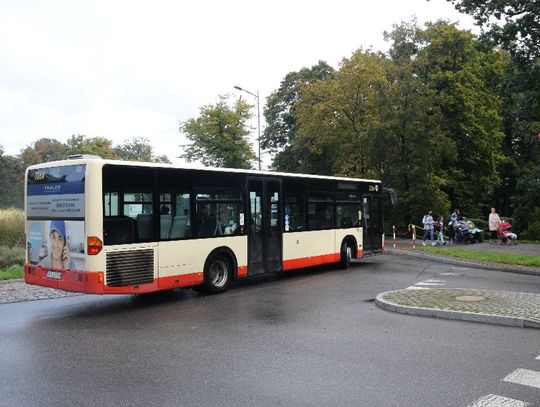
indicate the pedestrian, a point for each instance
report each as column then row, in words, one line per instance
column 454, row 217
column 427, row 220
column 494, row 222
column 440, row 227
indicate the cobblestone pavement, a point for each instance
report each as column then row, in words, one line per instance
column 497, row 307
column 18, row 290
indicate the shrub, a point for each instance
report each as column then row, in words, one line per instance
column 533, row 231
column 10, row 256
column 11, row 227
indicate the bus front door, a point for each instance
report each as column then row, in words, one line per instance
column 264, row 220
column 372, row 224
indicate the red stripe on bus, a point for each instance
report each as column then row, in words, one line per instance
column 93, row 282
column 242, row 272
column 310, row 261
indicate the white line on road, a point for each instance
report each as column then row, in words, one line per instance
column 492, row 400
column 537, row 358
column 525, row 377
column 413, row 287
column 435, row 281
column 422, row 283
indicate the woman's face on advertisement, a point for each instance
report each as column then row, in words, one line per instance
column 57, row 244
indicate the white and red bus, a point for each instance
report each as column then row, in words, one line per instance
column 104, row 226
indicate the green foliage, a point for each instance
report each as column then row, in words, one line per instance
column 11, row 272
column 11, row 256
column 138, row 149
column 533, row 229
column 527, row 212
column 519, row 30
column 11, row 227
column 219, row 135
column 425, row 119
column 504, row 258
column 281, row 131
column 99, row 146
column 10, row 175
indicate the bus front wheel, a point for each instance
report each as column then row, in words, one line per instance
column 346, row 255
column 217, row 274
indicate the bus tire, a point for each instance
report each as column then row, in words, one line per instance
column 346, row 255
column 218, row 273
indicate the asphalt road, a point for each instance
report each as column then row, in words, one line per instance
column 306, row 339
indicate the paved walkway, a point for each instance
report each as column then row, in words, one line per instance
column 18, row 291
column 494, row 307
column 404, row 246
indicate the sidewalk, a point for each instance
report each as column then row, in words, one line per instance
column 18, row 291
column 492, row 307
column 404, row 246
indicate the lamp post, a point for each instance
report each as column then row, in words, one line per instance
column 256, row 96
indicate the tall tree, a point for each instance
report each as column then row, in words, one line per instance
column 219, row 136
column 43, row 150
column 337, row 118
column 514, row 24
column 139, row 149
column 281, row 117
column 81, row 144
column 465, row 79
column 410, row 151
column 11, row 179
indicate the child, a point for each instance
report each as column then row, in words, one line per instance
column 440, row 227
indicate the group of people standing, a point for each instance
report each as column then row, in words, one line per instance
column 429, row 225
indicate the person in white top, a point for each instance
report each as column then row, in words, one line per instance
column 493, row 221
column 427, row 220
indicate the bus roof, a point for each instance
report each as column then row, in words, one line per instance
column 81, row 159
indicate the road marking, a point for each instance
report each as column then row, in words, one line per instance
column 423, row 283
column 435, row 281
column 537, row 358
column 448, row 274
column 492, row 400
column 525, row 377
column 413, row 287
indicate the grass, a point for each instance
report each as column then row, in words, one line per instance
column 11, row 227
column 504, row 258
column 11, row 272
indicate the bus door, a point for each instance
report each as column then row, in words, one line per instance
column 264, row 226
column 372, row 224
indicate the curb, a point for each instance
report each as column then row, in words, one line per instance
column 454, row 315
column 468, row 263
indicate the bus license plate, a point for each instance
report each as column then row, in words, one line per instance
column 55, row 275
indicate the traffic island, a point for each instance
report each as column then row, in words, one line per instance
column 486, row 306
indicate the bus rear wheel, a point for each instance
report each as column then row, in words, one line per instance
column 346, row 255
column 217, row 274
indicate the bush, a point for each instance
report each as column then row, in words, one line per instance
column 533, row 231
column 10, row 256
column 11, row 227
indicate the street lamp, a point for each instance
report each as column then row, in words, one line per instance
column 256, row 96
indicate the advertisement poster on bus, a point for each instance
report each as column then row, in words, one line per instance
column 56, row 244
column 56, row 192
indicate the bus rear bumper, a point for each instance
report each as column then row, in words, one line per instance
column 93, row 282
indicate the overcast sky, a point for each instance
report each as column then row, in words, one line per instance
column 123, row 69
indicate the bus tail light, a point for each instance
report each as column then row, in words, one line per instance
column 94, row 245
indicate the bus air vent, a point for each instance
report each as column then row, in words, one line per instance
column 130, row 267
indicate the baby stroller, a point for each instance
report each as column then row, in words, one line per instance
column 466, row 232
column 505, row 234
column 460, row 231
column 474, row 234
